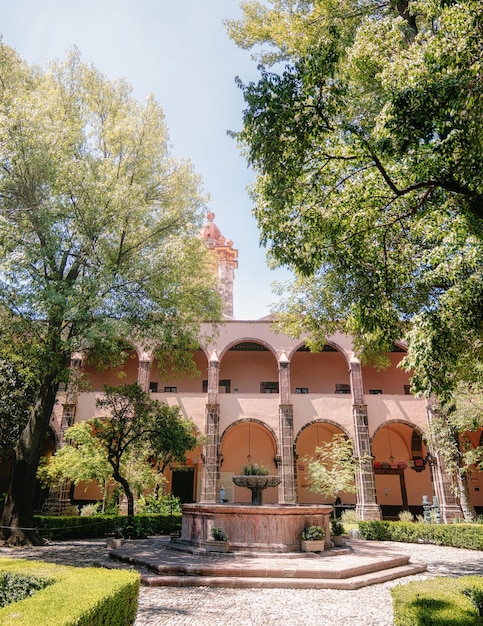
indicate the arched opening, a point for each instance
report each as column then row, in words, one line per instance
column 319, row 372
column 402, row 474
column 249, row 367
column 126, row 372
column 309, row 438
column 172, row 381
column 391, row 380
column 247, row 442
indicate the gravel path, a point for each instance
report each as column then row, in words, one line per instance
column 204, row 606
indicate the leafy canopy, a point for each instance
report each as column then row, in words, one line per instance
column 368, row 149
column 134, row 434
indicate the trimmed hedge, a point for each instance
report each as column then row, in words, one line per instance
column 437, row 602
column 468, row 536
column 76, row 597
column 80, row 527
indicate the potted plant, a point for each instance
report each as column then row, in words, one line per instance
column 219, row 541
column 337, row 532
column 313, row 539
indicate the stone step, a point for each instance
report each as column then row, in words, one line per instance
column 264, row 582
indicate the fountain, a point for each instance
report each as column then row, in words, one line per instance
column 254, row 527
column 256, row 484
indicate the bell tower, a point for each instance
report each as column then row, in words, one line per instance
column 226, row 258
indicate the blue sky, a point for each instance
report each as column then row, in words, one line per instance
column 179, row 51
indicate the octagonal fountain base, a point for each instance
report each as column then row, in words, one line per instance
column 266, row 528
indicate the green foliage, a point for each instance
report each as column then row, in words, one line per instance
column 313, row 533
column 336, row 528
column 349, row 517
column 16, row 587
column 67, row 527
column 437, row 602
column 469, row 536
column 136, row 433
column 162, row 503
column 254, row 469
column 99, row 235
column 475, row 594
column 218, row 534
column 332, row 469
column 369, row 161
column 405, row 516
column 76, row 596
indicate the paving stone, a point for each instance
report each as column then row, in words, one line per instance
column 207, row 606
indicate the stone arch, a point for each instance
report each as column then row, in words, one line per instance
column 324, row 372
column 329, row 342
column 391, row 380
column 247, row 339
column 246, row 441
column 311, row 435
column 249, row 365
column 402, row 476
column 122, row 374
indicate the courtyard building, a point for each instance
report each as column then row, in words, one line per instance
column 263, row 397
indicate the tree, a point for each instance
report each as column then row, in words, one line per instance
column 98, row 236
column 332, row 468
column 368, row 153
column 135, row 426
column 135, row 435
column 83, row 459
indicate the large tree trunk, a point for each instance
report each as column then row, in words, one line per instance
column 467, row 507
column 17, row 520
column 126, row 487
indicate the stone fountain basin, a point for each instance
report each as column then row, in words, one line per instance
column 265, row 528
column 256, row 482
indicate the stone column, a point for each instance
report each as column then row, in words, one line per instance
column 144, row 371
column 287, row 492
column 366, row 506
column 210, row 471
column 442, row 483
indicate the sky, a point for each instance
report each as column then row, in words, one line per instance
column 179, row 51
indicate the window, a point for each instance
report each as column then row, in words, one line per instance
column 407, row 390
column 170, row 389
column 301, row 390
column 153, row 387
column 225, row 386
column 342, row 388
column 375, row 392
column 269, row 387
column 68, row 415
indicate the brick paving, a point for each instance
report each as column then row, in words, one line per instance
column 203, row 606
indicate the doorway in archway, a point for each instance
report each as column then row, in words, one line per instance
column 182, row 484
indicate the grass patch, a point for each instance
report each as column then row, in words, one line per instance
column 76, row 596
column 437, row 602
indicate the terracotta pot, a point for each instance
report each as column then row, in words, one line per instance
column 313, row 546
column 217, row 546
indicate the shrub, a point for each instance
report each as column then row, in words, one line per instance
column 163, row 503
column 313, row 533
column 349, row 517
column 468, row 536
column 76, row 597
column 437, row 602
column 65, row 527
column 336, row 528
column 16, row 587
column 475, row 594
column 218, row 534
column 405, row 516
column 253, row 469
